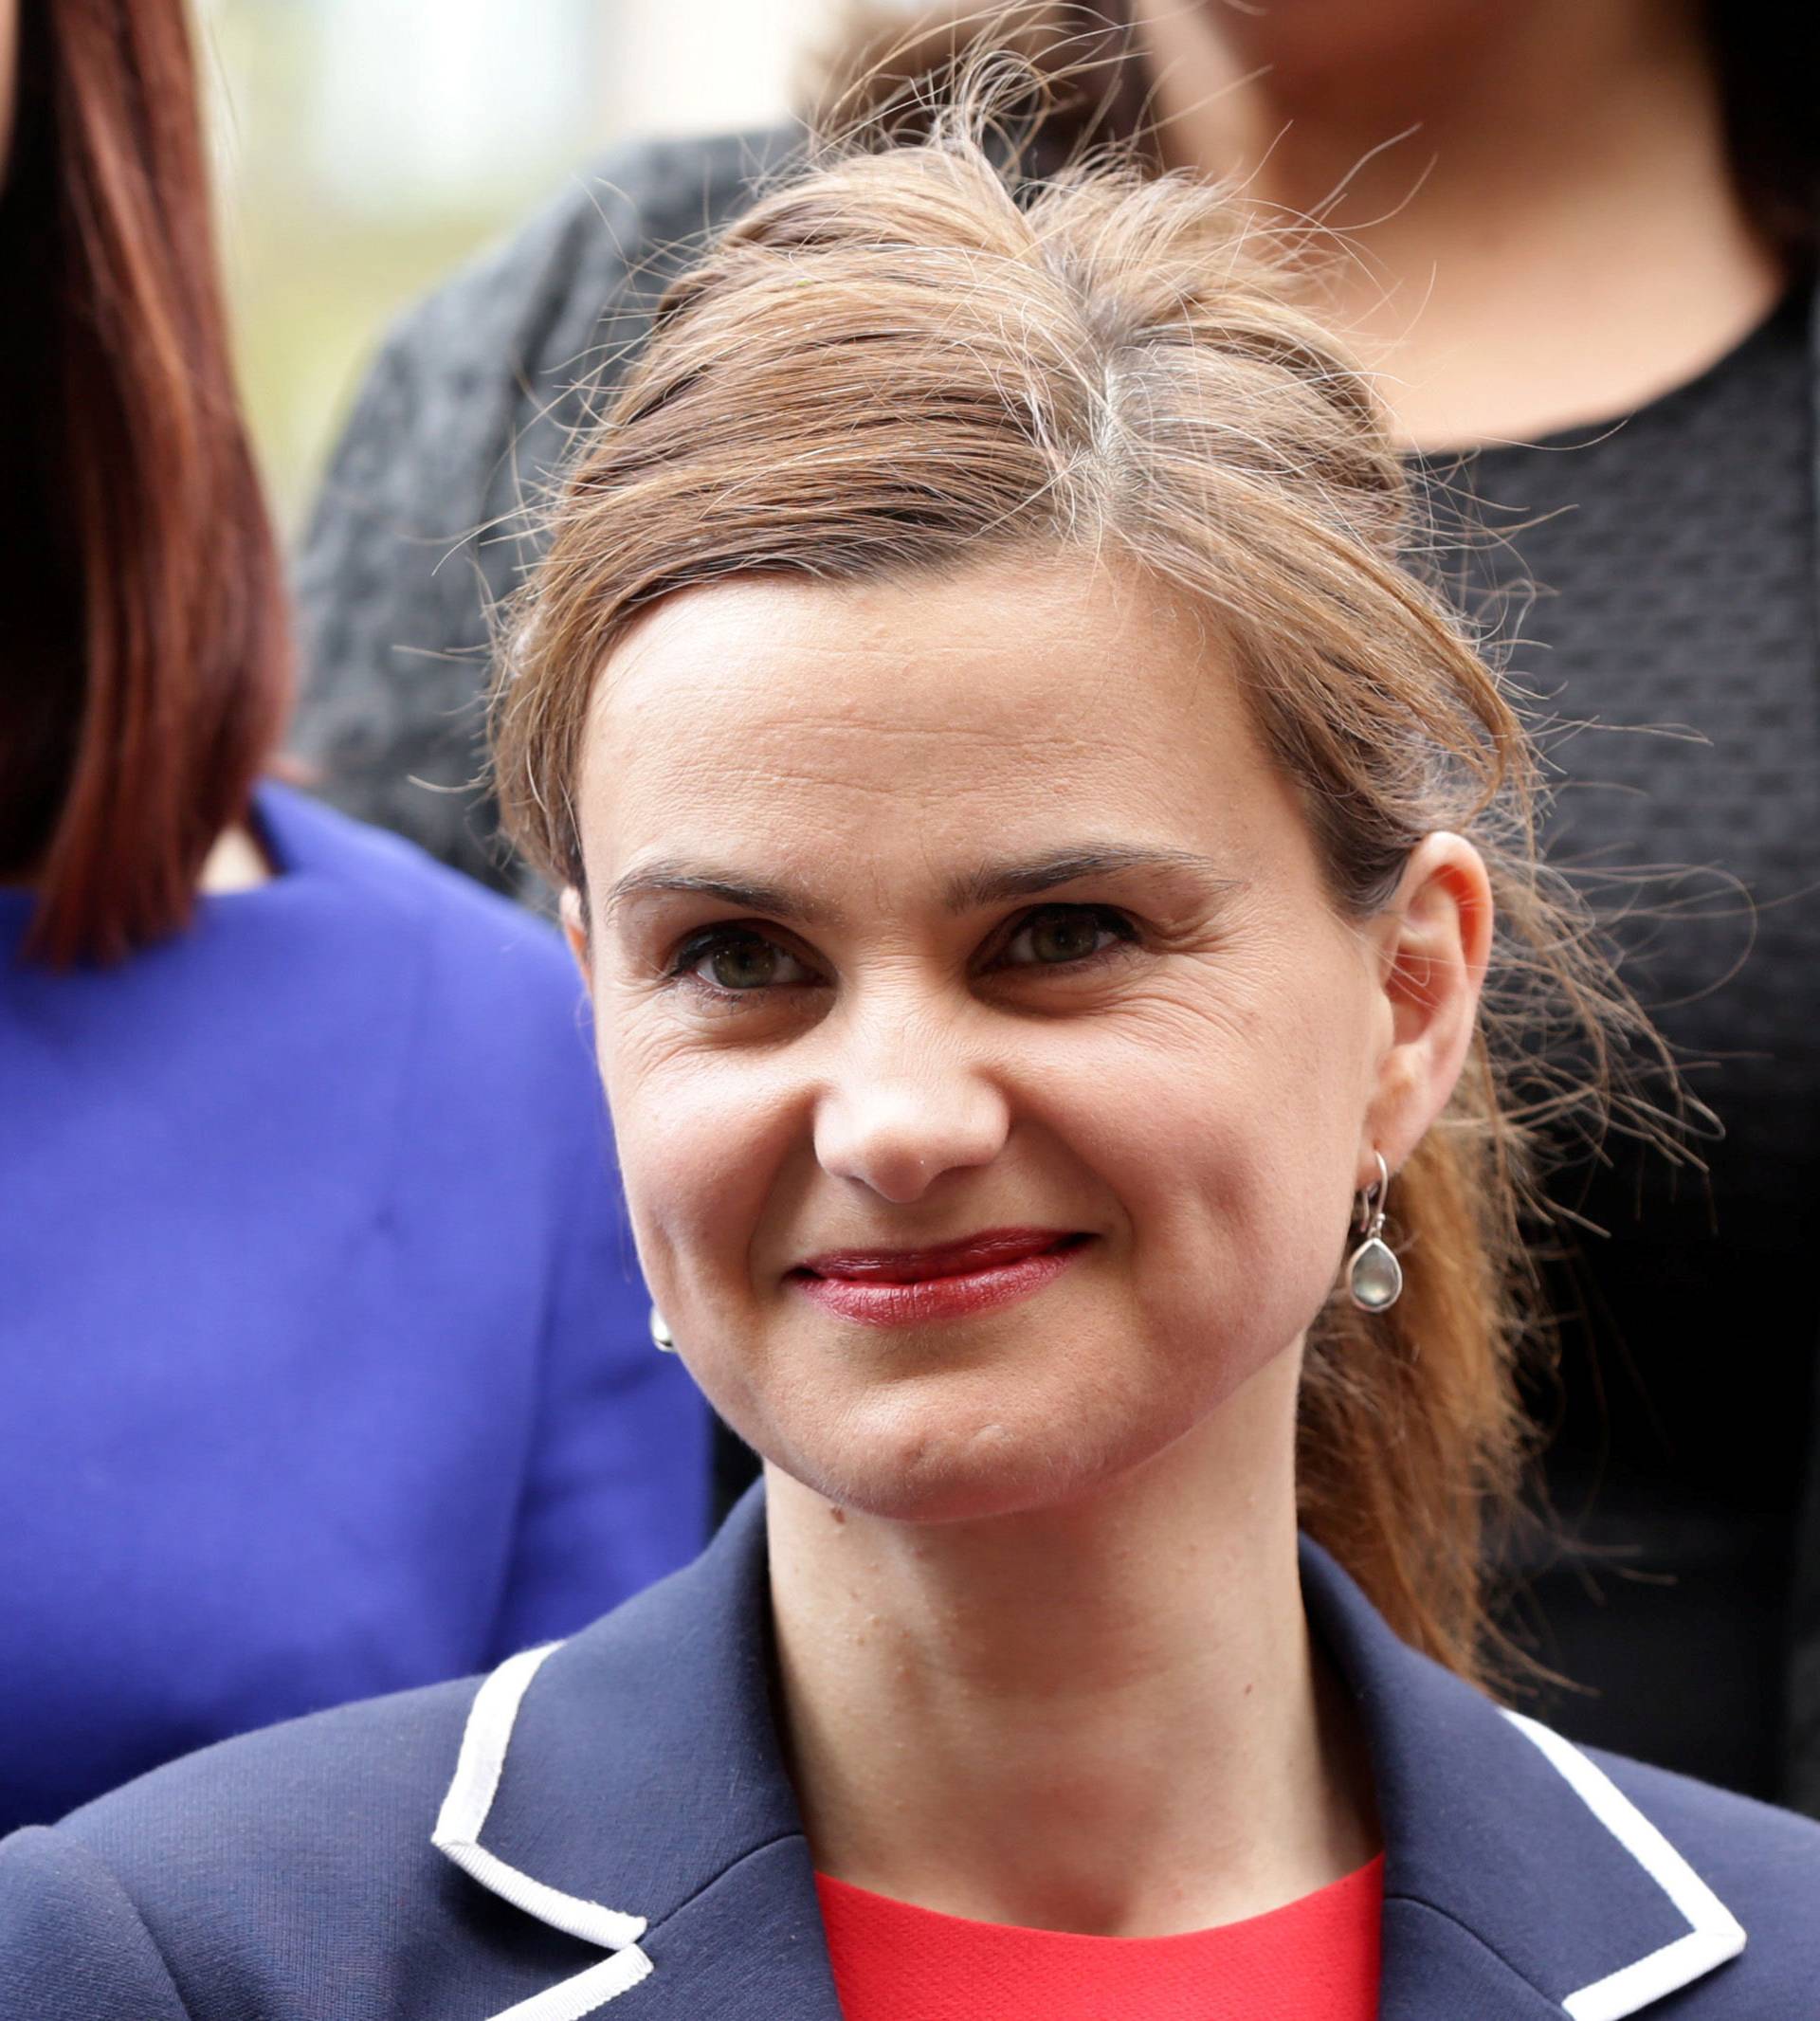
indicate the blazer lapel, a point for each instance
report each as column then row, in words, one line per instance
column 628, row 1788
column 750, row 1947
column 1514, row 1865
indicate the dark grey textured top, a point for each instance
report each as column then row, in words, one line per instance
column 427, row 513
column 1678, row 554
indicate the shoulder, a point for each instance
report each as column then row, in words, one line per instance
column 1768, row 1857
column 461, row 424
column 472, row 999
column 284, row 1796
column 270, row 1874
column 1763, row 1863
column 536, row 300
column 251, row 1873
column 374, row 879
column 631, row 202
column 346, row 1800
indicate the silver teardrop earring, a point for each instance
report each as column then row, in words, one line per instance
column 1373, row 1276
column 662, row 1338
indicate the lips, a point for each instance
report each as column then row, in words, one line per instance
column 950, row 1281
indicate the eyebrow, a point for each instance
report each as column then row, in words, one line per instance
column 1026, row 877
column 1031, row 875
column 671, row 879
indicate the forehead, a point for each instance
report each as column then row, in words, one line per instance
column 929, row 713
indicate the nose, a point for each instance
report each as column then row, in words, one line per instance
column 906, row 1109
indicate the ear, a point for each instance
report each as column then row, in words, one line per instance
column 1434, row 945
column 574, row 913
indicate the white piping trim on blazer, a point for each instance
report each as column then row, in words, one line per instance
column 478, row 1769
column 1717, row 1934
column 1714, row 1933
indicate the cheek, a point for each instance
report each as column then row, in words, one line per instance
column 705, row 1141
column 1230, row 1142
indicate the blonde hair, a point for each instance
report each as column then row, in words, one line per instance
column 897, row 363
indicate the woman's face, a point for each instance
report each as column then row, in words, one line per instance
column 991, row 1074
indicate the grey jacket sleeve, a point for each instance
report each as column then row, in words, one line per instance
column 72, row 1945
column 427, row 513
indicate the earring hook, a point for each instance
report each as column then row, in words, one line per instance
column 1371, row 1200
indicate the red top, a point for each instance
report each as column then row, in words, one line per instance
column 1316, row 1959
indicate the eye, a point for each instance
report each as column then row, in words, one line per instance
column 1059, row 935
column 737, row 960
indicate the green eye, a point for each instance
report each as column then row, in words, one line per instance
column 740, row 962
column 1065, row 939
column 1063, row 933
column 748, row 965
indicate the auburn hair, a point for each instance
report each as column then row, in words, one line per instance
column 899, row 363
column 148, row 651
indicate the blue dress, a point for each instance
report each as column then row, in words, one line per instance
column 323, row 1356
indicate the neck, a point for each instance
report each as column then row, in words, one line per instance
column 1540, row 197
column 1104, row 1718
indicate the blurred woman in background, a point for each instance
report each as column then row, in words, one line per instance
column 1567, row 217
column 324, row 1364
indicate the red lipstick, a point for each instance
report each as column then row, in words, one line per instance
column 951, row 1281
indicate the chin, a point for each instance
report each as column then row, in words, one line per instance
column 938, row 1460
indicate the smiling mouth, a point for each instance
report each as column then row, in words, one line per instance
column 952, row 1280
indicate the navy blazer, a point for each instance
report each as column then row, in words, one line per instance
column 609, row 1820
